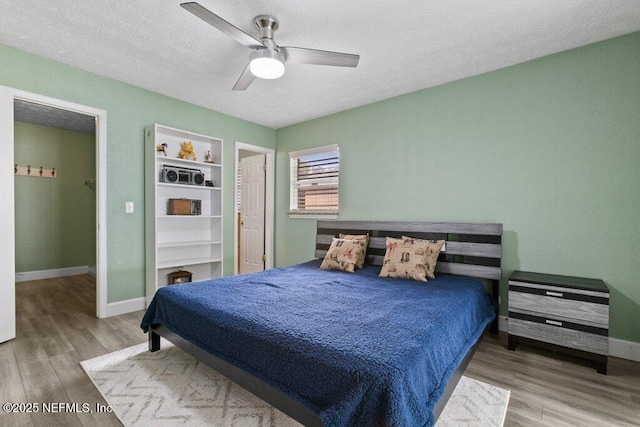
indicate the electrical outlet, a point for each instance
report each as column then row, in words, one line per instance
column 128, row 207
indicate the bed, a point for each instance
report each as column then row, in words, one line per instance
column 335, row 348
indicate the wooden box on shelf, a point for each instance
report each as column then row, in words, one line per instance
column 184, row 207
column 179, row 277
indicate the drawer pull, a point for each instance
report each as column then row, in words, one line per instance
column 553, row 322
column 554, row 294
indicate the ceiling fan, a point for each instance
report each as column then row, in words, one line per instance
column 267, row 59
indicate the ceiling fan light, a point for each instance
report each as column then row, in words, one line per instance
column 266, row 64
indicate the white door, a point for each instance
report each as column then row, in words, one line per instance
column 252, row 213
column 7, row 232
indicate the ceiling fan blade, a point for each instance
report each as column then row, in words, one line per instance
column 246, row 78
column 214, row 20
column 319, row 57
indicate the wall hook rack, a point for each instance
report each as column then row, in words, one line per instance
column 39, row 172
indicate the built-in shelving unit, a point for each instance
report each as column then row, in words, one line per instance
column 189, row 242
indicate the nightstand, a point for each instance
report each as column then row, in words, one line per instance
column 561, row 313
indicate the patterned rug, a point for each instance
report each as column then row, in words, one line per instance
column 170, row 387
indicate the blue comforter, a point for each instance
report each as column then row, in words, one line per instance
column 354, row 348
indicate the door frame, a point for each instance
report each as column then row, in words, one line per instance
column 101, row 180
column 269, row 202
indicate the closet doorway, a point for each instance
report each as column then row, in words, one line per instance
column 17, row 109
column 254, row 204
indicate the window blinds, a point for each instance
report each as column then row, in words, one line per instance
column 315, row 181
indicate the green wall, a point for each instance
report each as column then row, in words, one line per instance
column 550, row 148
column 129, row 110
column 55, row 219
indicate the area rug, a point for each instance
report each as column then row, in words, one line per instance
column 170, row 387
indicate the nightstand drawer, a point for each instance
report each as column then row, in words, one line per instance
column 555, row 303
column 567, row 314
column 566, row 334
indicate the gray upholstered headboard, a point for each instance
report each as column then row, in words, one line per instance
column 471, row 249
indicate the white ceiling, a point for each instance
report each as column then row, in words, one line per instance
column 404, row 45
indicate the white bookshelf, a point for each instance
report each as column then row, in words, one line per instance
column 190, row 242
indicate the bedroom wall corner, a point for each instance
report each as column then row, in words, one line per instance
column 549, row 148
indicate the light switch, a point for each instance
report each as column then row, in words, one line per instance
column 128, row 207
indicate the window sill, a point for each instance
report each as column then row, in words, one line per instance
column 314, row 216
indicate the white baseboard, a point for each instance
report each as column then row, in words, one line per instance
column 93, row 270
column 50, row 274
column 624, row 349
column 126, row 306
column 617, row 348
column 503, row 323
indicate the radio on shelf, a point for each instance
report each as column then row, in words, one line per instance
column 184, row 207
column 176, row 175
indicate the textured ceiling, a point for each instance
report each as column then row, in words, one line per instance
column 404, row 46
column 43, row 115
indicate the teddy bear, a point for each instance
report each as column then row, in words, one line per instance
column 187, row 151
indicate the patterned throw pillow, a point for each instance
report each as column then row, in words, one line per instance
column 432, row 254
column 405, row 259
column 342, row 255
column 363, row 253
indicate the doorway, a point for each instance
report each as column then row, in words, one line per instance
column 254, row 204
column 54, row 199
column 8, row 99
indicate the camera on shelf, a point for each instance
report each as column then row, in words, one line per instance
column 176, row 175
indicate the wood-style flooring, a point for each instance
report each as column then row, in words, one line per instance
column 57, row 329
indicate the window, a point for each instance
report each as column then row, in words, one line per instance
column 314, row 181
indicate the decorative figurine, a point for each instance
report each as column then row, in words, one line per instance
column 207, row 157
column 187, row 151
column 162, row 148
